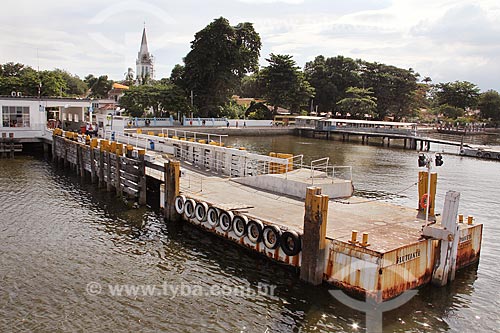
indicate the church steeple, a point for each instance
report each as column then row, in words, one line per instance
column 144, row 62
column 144, row 42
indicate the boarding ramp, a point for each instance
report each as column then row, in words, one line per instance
column 281, row 173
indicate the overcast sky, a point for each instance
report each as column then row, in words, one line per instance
column 445, row 40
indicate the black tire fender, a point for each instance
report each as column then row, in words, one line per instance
column 271, row 236
column 240, row 225
column 213, row 216
column 179, row 203
column 254, row 231
column 291, row 243
column 226, row 220
column 200, row 211
column 189, row 208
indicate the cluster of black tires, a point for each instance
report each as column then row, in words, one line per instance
column 256, row 231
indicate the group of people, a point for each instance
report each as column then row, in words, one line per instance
column 90, row 130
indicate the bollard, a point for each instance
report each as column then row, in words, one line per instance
column 112, row 147
column 130, row 149
column 354, row 237
column 314, row 244
column 365, row 240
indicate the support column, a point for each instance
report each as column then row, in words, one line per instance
column 171, row 176
column 101, row 164
column 314, row 238
column 93, row 175
column 422, row 190
column 54, row 140
column 449, row 246
column 142, row 177
column 109, row 185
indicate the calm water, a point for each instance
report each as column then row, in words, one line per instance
column 58, row 235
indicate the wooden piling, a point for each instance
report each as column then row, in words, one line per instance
column 171, row 176
column 93, row 175
column 422, row 190
column 109, row 182
column 314, row 238
column 142, row 177
column 101, row 165
column 118, row 163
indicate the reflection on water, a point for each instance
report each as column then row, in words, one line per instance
column 57, row 235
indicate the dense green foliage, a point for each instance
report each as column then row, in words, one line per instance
column 24, row 79
column 359, row 103
column 284, row 84
column 99, row 86
column 460, row 94
column 392, row 87
column 489, row 104
column 219, row 58
column 163, row 99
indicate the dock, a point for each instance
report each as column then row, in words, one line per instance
column 366, row 247
column 407, row 141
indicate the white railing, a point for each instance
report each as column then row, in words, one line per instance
column 169, row 132
column 230, row 162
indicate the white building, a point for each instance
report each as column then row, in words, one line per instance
column 27, row 117
column 144, row 62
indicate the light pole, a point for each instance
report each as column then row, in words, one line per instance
column 425, row 160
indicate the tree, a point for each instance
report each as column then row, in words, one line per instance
column 258, row 111
column 283, row 84
column 129, row 77
column 162, row 98
column 177, row 76
column 460, row 94
column 392, row 86
column 359, row 104
column 99, row 86
column 489, row 105
column 449, row 111
column 220, row 56
column 250, row 86
column 53, row 83
column 330, row 78
column 74, row 85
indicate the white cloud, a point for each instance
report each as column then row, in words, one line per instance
column 445, row 39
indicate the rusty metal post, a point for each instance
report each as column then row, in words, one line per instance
column 449, row 246
column 142, row 177
column 172, row 179
column 314, row 238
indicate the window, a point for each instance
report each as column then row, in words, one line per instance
column 75, row 117
column 15, row 116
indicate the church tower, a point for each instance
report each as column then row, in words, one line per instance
column 144, row 62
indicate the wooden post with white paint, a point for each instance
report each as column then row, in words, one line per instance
column 314, row 238
column 448, row 234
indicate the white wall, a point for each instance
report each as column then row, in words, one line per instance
column 38, row 119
